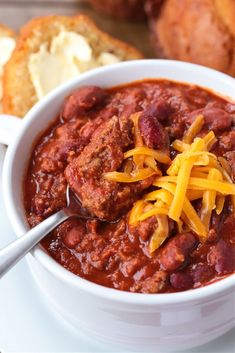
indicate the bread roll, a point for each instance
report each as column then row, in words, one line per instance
column 51, row 50
column 200, row 31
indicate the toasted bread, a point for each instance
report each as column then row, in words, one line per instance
column 6, row 49
column 19, row 93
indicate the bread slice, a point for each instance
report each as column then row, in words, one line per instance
column 6, row 32
column 19, row 93
column 7, row 42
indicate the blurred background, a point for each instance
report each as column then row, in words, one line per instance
column 15, row 13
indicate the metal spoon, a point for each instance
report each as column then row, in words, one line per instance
column 13, row 252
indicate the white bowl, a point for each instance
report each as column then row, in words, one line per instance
column 138, row 322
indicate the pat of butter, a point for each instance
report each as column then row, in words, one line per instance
column 48, row 71
column 51, row 67
column 68, row 55
column 7, row 45
column 106, row 58
column 72, row 46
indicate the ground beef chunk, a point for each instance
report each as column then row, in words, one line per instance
column 103, row 198
column 132, row 102
column 132, row 265
column 153, row 284
column 222, row 257
column 227, row 141
column 175, row 253
column 83, row 100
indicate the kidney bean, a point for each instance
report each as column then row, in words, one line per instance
column 154, row 134
column 83, row 100
column 222, row 257
column 216, row 119
column 153, row 284
column 130, row 266
column 161, row 110
column 175, row 253
column 201, row 273
column 181, row 281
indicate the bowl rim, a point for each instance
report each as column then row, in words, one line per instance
column 220, row 287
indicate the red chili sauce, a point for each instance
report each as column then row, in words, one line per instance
column 87, row 140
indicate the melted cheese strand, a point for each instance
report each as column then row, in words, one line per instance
column 158, row 155
column 136, row 211
column 194, row 129
column 210, row 140
column 163, row 195
column 150, row 162
column 161, row 233
column 193, row 219
column 153, row 212
column 220, row 200
column 208, row 200
column 180, row 146
column 140, row 174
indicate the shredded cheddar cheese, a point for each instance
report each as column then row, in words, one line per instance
column 194, row 221
column 153, row 212
column 210, row 140
column 144, row 159
column 180, row 146
column 209, row 198
column 220, row 200
column 136, row 212
column 158, row 155
column 160, row 234
column 220, row 187
column 183, row 179
column 133, row 177
column 194, row 174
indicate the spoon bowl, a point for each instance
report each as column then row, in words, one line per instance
column 12, row 253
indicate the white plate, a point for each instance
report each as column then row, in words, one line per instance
column 27, row 323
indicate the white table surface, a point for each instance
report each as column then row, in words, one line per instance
column 27, row 323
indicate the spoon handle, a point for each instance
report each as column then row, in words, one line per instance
column 13, row 252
